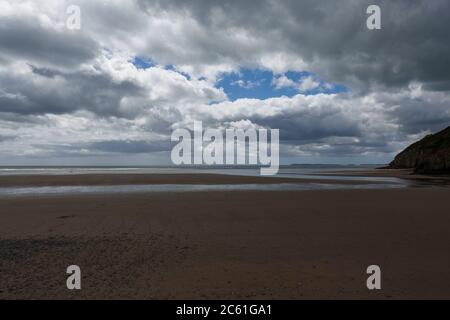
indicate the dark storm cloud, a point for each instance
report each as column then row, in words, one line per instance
column 45, row 72
column 418, row 115
column 27, row 39
column 107, row 146
column 331, row 36
column 6, row 138
column 59, row 92
column 304, row 126
column 129, row 146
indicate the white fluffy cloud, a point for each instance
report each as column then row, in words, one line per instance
column 305, row 84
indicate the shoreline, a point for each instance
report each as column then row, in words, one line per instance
column 407, row 174
column 140, row 179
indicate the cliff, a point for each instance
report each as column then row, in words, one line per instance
column 431, row 155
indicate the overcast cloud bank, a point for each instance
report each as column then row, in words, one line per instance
column 79, row 96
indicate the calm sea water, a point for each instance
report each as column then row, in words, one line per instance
column 317, row 173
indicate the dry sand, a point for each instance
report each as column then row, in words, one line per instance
column 239, row 245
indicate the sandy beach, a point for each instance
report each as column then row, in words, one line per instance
column 227, row 245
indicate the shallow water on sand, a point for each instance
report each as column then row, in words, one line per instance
column 66, row 190
column 311, row 173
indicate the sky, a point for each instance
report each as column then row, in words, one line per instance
column 112, row 92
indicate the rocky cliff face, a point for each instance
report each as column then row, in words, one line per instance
column 429, row 155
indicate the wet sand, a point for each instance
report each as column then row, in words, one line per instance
column 407, row 174
column 139, row 179
column 228, row 245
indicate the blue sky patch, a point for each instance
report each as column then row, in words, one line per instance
column 259, row 83
column 143, row 63
column 263, row 84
